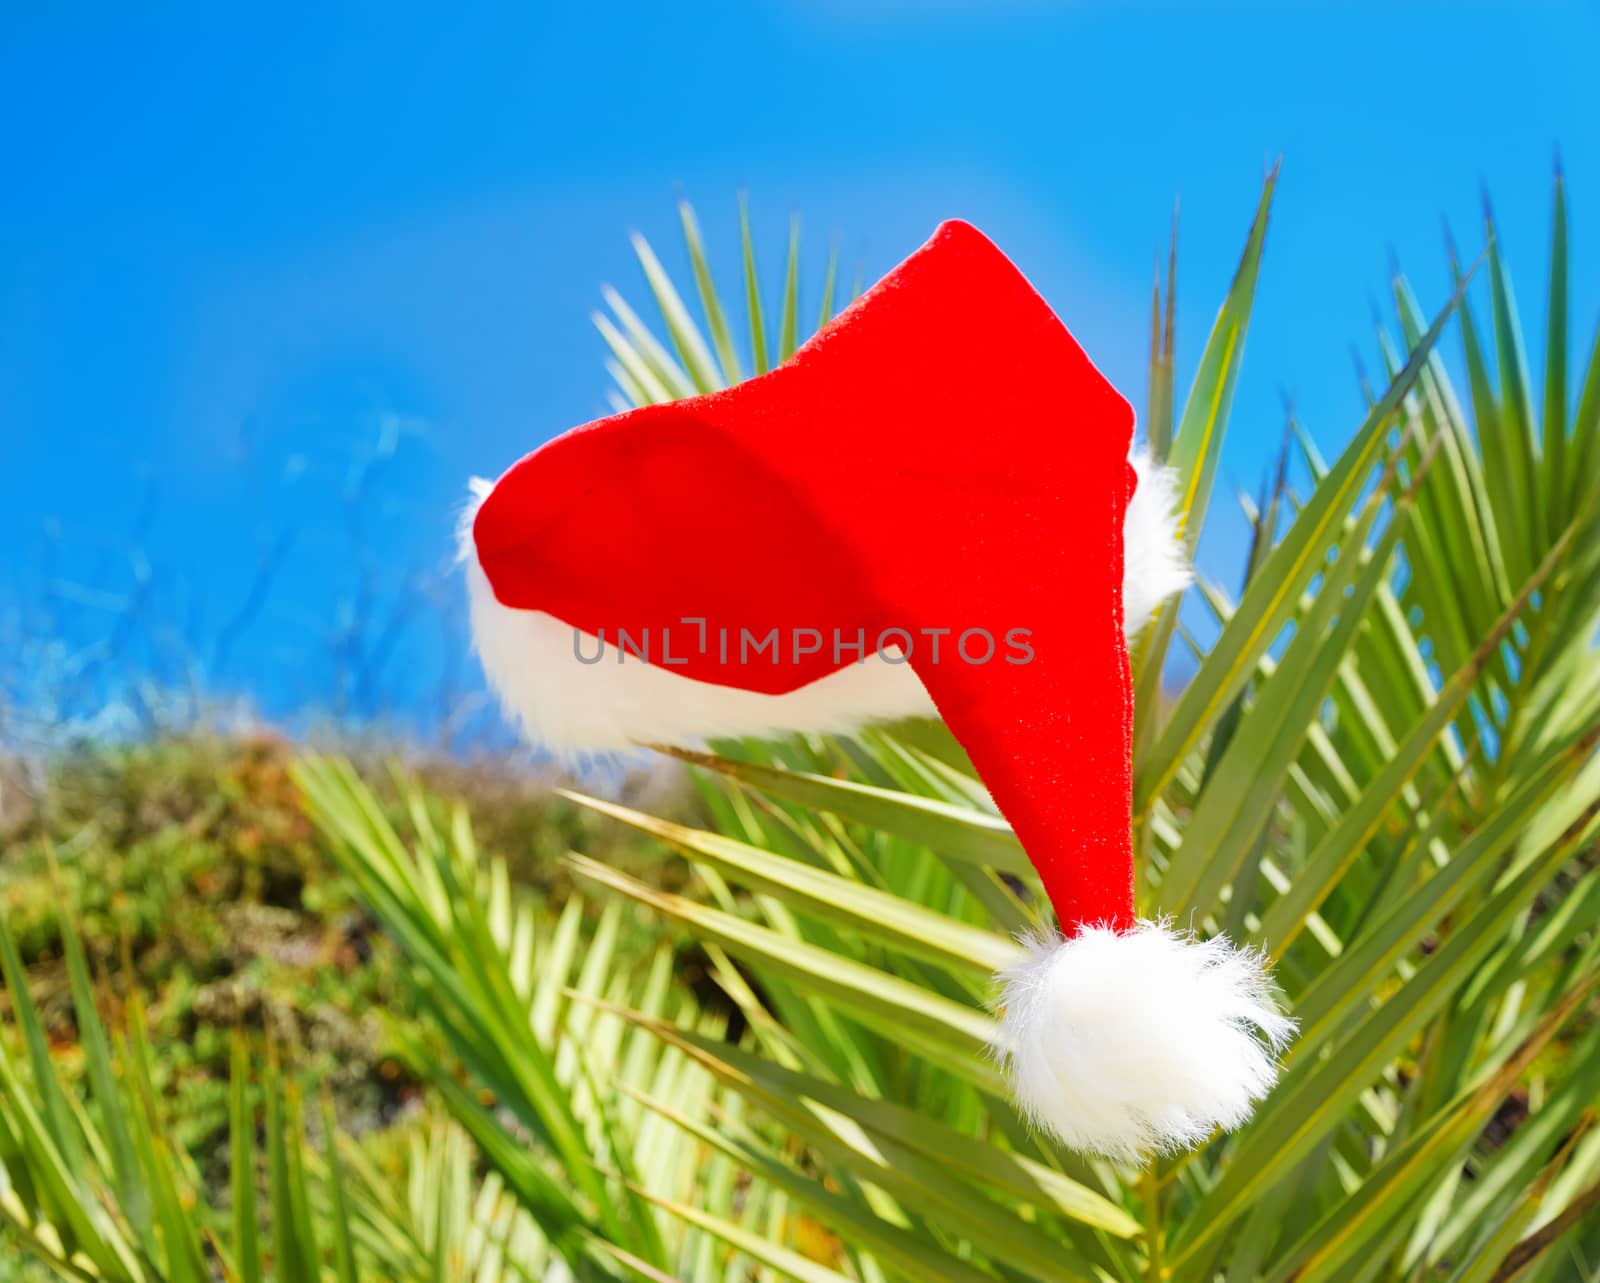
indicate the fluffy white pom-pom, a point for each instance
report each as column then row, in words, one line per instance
column 1136, row 1042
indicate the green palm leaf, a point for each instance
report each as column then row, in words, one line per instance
column 1383, row 769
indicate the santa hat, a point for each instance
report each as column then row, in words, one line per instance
column 930, row 507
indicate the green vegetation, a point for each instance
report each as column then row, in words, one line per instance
column 204, row 906
column 749, row 1045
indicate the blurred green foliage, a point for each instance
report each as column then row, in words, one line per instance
column 196, row 881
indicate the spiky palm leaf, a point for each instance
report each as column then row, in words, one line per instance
column 537, row 1010
column 97, row 1189
column 1382, row 771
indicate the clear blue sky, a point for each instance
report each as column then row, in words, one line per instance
column 237, row 245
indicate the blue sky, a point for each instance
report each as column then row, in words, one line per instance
column 244, row 253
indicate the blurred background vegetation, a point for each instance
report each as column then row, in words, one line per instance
column 190, row 870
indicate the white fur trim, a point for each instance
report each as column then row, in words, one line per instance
column 1155, row 564
column 607, row 706
column 1130, row 1043
column 570, row 707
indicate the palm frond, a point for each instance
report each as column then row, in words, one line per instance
column 1382, row 771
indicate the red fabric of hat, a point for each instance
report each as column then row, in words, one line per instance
column 929, row 507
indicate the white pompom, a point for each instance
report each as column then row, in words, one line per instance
column 1128, row 1043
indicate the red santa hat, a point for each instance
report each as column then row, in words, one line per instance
column 930, row 507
